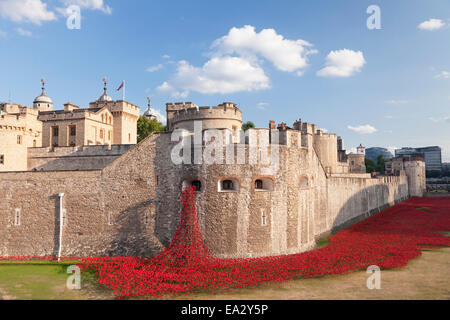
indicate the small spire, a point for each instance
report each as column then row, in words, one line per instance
column 104, row 83
column 43, row 86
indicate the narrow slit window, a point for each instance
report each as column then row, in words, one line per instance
column 17, row 217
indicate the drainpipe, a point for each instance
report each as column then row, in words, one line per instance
column 61, row 195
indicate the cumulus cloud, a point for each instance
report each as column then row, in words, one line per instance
column 262, row 105
column 431, row 24
column 363, row 129
column 235, row 63
column 155, row 68
column 159, row 116
column 286, row 55
column 166, row 56
column 33, row 11
column 24, row 32
column 218, row 75
column 89, row 4
column 393, row 101
column 442, row 75
column 440, row 119
column 342, row 63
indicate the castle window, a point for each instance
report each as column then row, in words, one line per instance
column 129, row 137
column 2, row 159
column 263, row 184
column 34, row 143
column 64, row 220
column 258, row 184
column 197, row 184
column 110, row 221
column 109, row 135
column 73, row 131
column 19, row 139
column 263, row 218
column 228, row 185
column 17, row 217
column 192, row 183
column 55, row 131
column 353, row 163
column 304, row 182
column 102, row 134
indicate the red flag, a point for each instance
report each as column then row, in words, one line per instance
column 121, row 86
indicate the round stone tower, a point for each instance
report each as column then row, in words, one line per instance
column 182, row 115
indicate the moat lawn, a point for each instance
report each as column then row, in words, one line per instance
column 45, row 280
column 425, row 277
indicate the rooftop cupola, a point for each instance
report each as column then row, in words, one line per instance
column 43, row 102
column 104, row 97
column 149, row 113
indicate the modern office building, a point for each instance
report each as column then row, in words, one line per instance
column 432, row 156
column 374, row 152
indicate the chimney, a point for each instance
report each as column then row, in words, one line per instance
column 272, row 125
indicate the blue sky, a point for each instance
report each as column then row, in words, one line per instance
column 278, row 60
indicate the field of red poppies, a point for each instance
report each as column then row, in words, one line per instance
column 389, row 240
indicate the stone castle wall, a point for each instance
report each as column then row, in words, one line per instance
column 132, row 207
column 74, row 158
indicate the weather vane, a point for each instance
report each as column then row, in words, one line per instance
column 148, row 99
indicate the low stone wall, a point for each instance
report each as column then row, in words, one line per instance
column 74, row 158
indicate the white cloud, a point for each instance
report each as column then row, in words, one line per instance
column 393, row 101
column 89, row 4
column 388, row 116
column 363, row 129
column 235, row 64
column 432, row 24
column 155, row 68
column 324, row 130
column 159, row 116
column 440, row 119
column 443, row 75
column 392, row 149
column 24, row 32
column 342, row 63
column 262, row 105
column 218, row 75
column 286, row 55
column 33, row 11
column 166, row 56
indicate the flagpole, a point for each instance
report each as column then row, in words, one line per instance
column 124, row 90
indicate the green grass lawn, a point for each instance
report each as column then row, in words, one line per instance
column 44, row 280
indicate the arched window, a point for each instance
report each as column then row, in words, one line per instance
column 227, row 185
column 197, row 184
column 304, row 182
column 258, row 184
column 265, row 183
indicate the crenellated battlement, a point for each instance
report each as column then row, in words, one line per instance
column 182, row 114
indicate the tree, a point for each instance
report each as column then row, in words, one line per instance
column 247, row 125
column 381, row 164
column 370, row 165
column 145, row 127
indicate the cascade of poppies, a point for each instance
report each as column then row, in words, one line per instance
column 187, row 248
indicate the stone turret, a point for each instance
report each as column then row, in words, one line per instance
column 181, row 115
